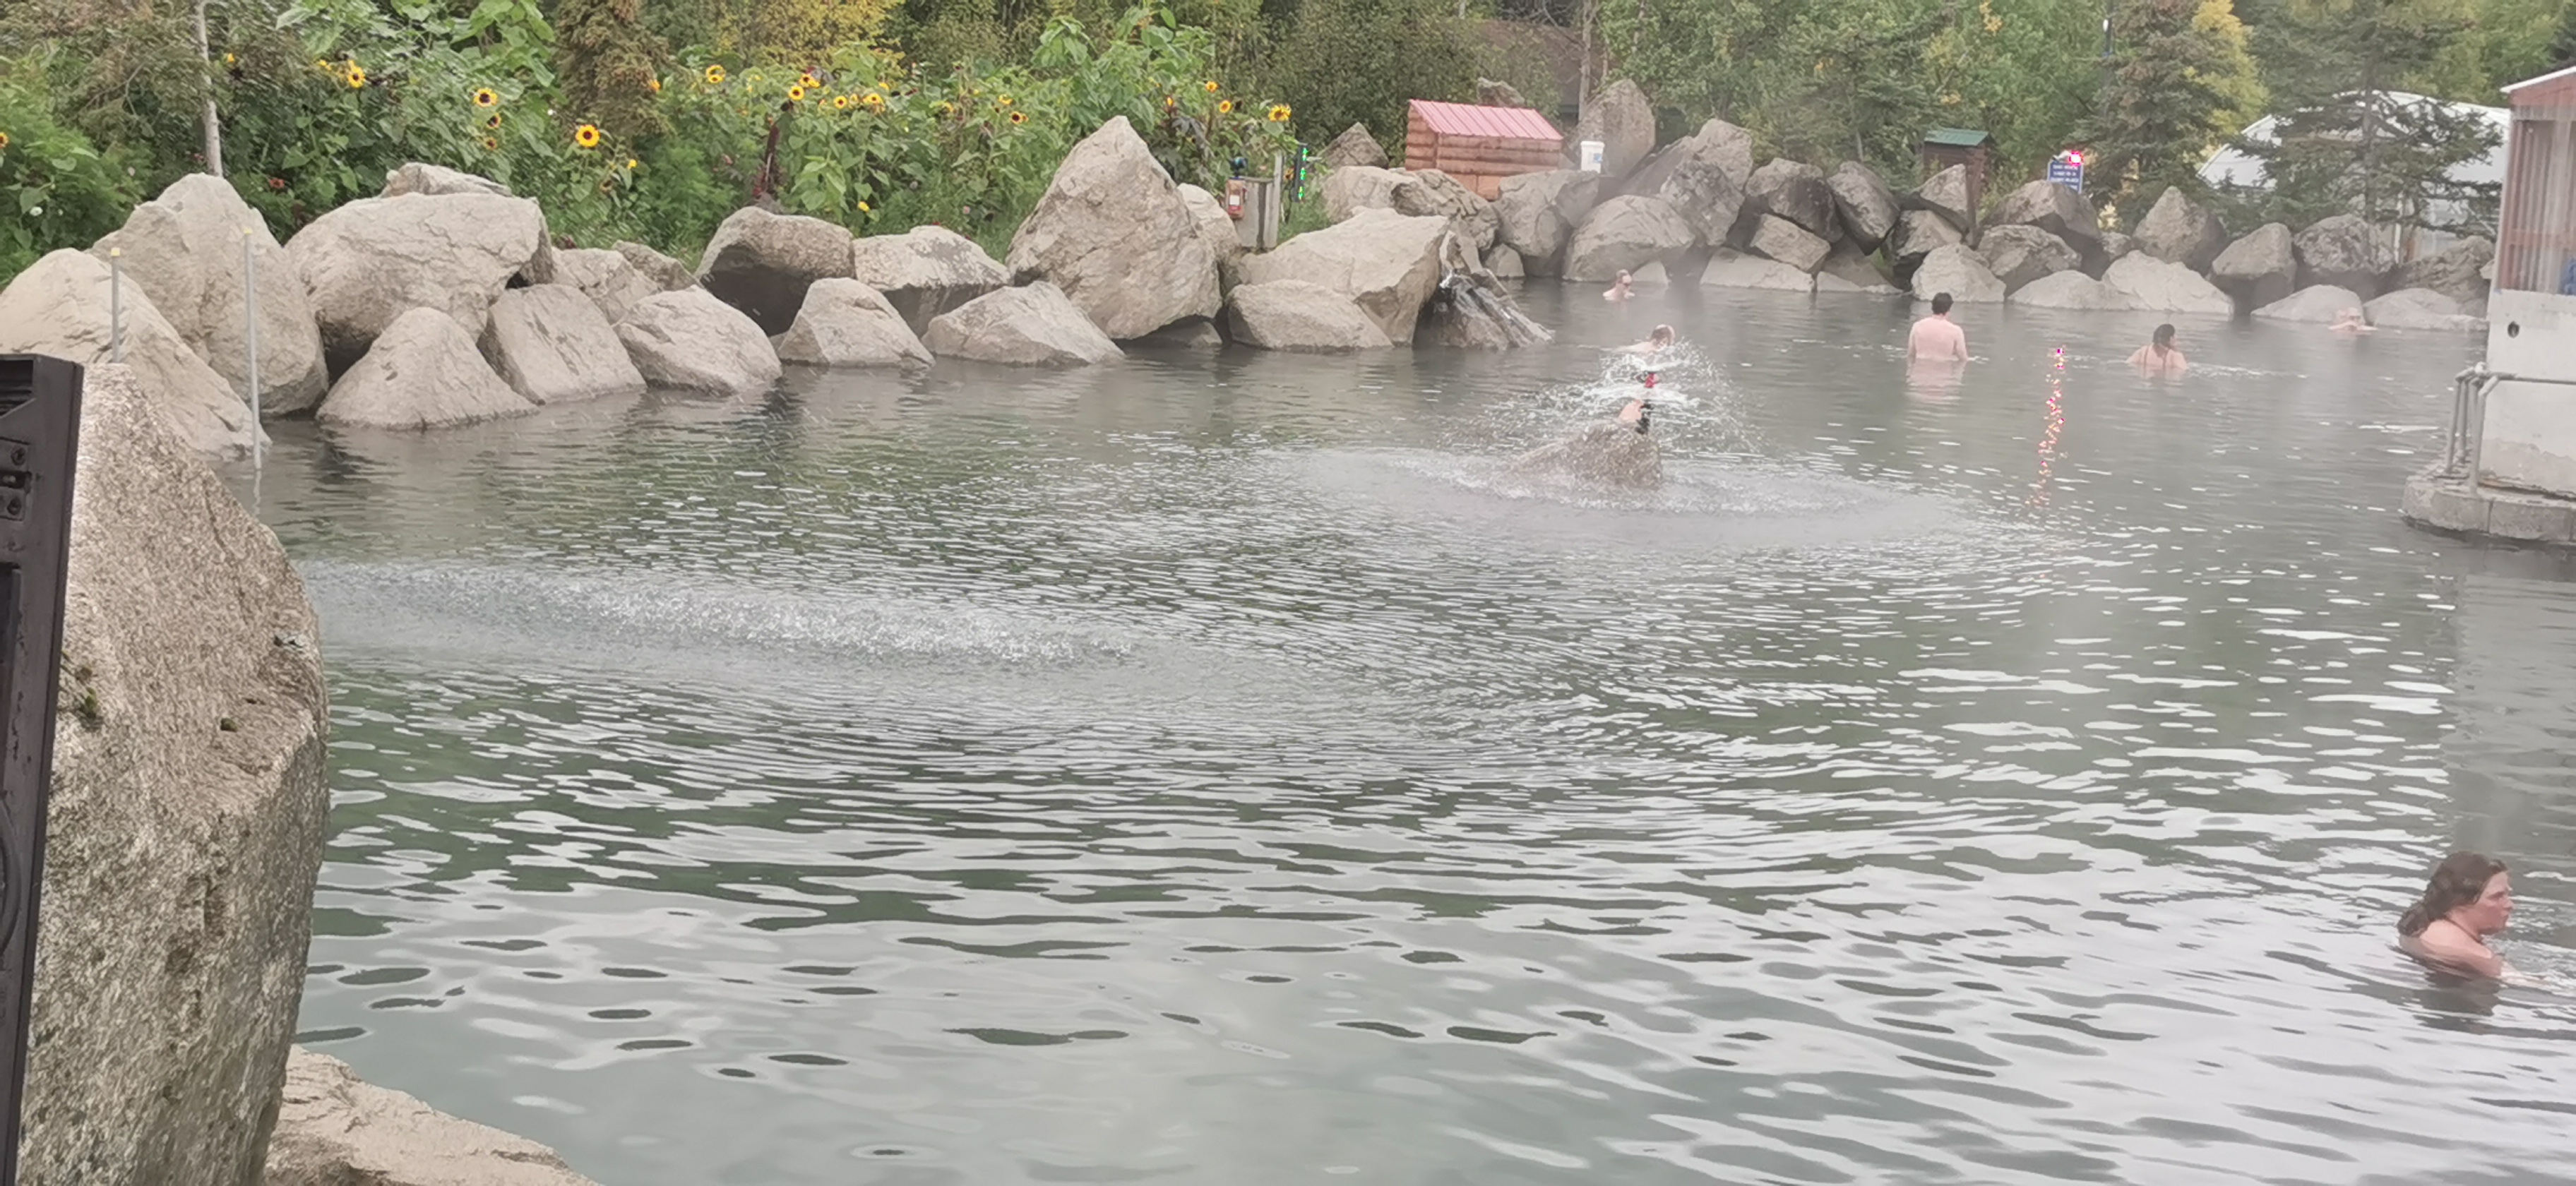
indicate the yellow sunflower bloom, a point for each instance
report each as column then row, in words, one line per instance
column 491, row 144
column 715, row 76
column 863, row 207
column 1004, row 101
column 586, row 136
column 4, row 140
column 356, row 78
column 494, row 122
column 229, row 59
column 631, row 162
column 1225, row 107
column 484, row 97
column 796, row 94
column 1019, row 117
column 873, row 100
column 656, row 84
column 840, row 102
column 1209, row 86
column 808, row 80
column 1279, row 113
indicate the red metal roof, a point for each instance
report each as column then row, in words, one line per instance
column 1468, row 119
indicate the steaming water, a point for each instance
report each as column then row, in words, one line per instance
column 1220, row 771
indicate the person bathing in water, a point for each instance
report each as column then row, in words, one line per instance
column 1619, row 287
column 2468, row 898
column 2158, row 356
column 1937, row 339
column 1656, row 343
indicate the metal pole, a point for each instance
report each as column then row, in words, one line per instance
column 250, row 331
column 116, row 304
column 206, row 78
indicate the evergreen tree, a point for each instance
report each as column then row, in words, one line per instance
column 2562, row 48
column 2179, row 82
column 606, row 62
column 1347, row 60
column 2346, row 139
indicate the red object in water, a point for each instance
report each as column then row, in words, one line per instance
column 1650, row 380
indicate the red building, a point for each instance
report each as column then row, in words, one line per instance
column 1479, row 146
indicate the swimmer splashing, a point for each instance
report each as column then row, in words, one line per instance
column 1640, row 412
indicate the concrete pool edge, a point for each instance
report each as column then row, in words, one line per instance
column 2458, row 506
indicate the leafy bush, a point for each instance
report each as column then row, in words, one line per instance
column 57, row 188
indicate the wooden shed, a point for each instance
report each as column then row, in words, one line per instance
column 1479, row 146
column 2536, row 235
column 1944, row 147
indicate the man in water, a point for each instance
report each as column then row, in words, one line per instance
column 1619, row 288
column 2158, row 356
column 1656, row 343
column 2468, row 898
column 1937, row 338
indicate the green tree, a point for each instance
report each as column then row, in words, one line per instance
column 2180, row 81
column 2347, row 138
column 608, row 64
column 1341, row 61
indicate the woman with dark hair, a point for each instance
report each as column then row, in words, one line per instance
column 2158, row 356
column 2468, row 898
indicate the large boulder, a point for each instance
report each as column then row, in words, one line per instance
column 1703, row 175
column 1469, row 214
column 1727, row 269
column 1624, row 234
column 438, row 180
column 1216, row 229
column 1353, row 188
column 2069, row 290
column 2317, row 305
column 1864, row 203
column 1944, row 193
column 422, row 372
column 1354, row 147
column 1958, row 270
column 1728, row 147
column 1426, row 192
column 1494, row 92
column 2345, row 252
column 1603, row 454
column 334, row 1129
column 375, row 259
column 689, row 341
column 1795, row 191
column 1033, row 326
column 1778, row 238
column 60, row 306
column 762, row 263
column 184, row 249
column 1113, row 233
column 2419, row 308
column 1504, row 263
column 2115, row 245
column 1850, row 269
column 1623, row 121
column 2056, row 209
column 925, row 271
column 847, row 324
column 1389, row 264
column 2260, row 269
column 1302, row 316
column 666, row 274
column 2182, row 231
column 1917, row 234
column 2457, row 271
column 1538, row 212
column 2021, row 254
column 2162, row 286
column 608, row 278
column 185, row 826
column 552, row 345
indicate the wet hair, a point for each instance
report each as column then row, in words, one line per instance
column 1663, row 333
column 2164, row 335
column 2456, row 882
column 1623, row 277
column 1940, row 302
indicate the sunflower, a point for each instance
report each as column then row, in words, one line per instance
column 356, row 77
column 1169, row 102
column 864, row 207
column 873, row 100
column 4, row 140
column 654, row 83
column 483, row 97
column 491, row 144
column 631, row 162
column 586, row 136
column 229, row 59
column 1225, row 107
column 494, row 122
column 840, row 102
column 1209, row 86
column 1279, row 113
column 1019, row 117
column 796, row 94
column 1004, row 101
column 322, row 64
column 715, row 76
column 808, row 80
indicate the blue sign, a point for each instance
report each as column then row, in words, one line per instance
column 2067, row 169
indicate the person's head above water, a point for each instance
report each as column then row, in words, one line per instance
column 1940, row 304
column 2469, row 889
column 1663, row 336
column 2164, row 336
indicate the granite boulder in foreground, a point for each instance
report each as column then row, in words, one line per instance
column 335, row 1130
column 687, row 340
column 1033, row 326
column 186, row 825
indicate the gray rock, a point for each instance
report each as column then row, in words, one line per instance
column 2316, row 305
column 2343, row 251
column 1538, row 212
column 608, row 278
column 1475, row 312
column 847, row 324
column 438, row 180
column 1193, row 334
column 762, row 263
column 1624, row 234
column 1354, row 147
column 2419, row 308
column 1215, row 228
column 1623, row 121
column 1795, row 191
column 1703, row 175
column 1504, row 263
column 1918, row 234
column 1113, row 233
column 1652, row 275
column 334, row 1129
column 1301, row 316
column 1864, row 203
column 1605, row 454
column 1494, row 92
column 925, row 271
column 2260, row 269
column 184, row 249
column 1033, row 326
column 2056, row 209
column 422, row 372
column 2457, row 272
column 60, row 306
column 2179, row 230
column 1427, row 192
column 375, row 259
column 2069, row 290
column 1778, row 238
column 2021, row 254
column 1353, row 188
column 1729, row 147
column 188, row 800
column 690, row 341
column 2115, row 245
column 1944, row 193
column 666, row 274
column 1389, row 264
column 552, row 345
column 1727, row 269
column 2162, row 286
column 1958, row 270
column 1471, row 216
column 1850, row 269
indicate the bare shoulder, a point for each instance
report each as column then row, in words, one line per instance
column 2445, row 944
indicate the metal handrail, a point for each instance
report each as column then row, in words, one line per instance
column 2470, row 389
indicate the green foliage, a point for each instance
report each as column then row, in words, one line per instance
column 2344, row 142
column 2180, row 82
column 609, row 64
column 56, row 188
column 1342, row 61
